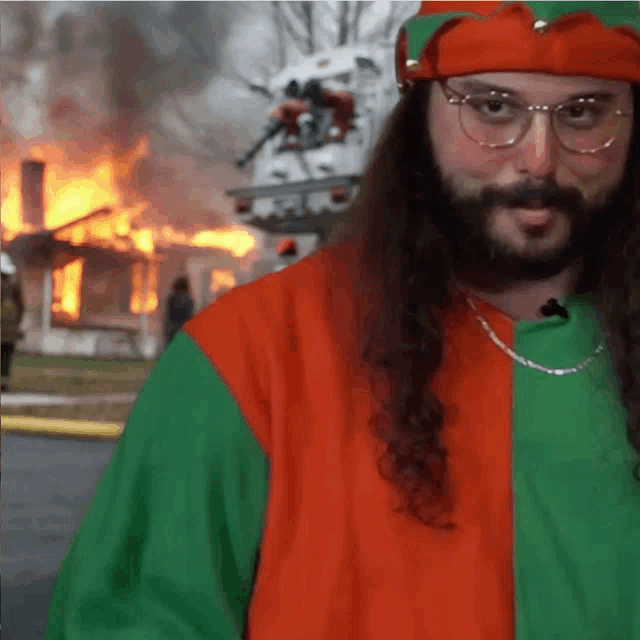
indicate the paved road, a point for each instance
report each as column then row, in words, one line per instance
column 47, row 485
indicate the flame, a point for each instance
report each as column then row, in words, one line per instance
column 72, row 191
column 137, row 287
column 108, row 230
column 144, row 280
column 152, row 301
column 12, row 206
column 221, row 280
column 236, row 241
column 66, row 289
column 71, row 195
column 143, row 240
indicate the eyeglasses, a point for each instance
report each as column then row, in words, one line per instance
column 497, row 120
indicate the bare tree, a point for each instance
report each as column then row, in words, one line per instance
column 348, row 27
column 305, row 12
column 280, row 34
column 312, row 26
column 343, row 24
column 298, row 21
column 399, row 13
column 359, row 9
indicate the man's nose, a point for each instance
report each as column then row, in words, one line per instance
column 540, row 147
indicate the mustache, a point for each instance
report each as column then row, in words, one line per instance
column 528, row 194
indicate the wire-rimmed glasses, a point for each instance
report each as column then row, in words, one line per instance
column 498, row 120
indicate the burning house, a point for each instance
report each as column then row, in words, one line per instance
column 95, row 272
column 113, row 185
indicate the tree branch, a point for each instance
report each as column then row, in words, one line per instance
column 280, row 34
column 333, row 16
column 291, row 30
column 251, row 86
column 343, row 24
column 359, row 9
column 295, row 11
column 307, row 11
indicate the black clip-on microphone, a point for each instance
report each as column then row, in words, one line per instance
column 552, row 308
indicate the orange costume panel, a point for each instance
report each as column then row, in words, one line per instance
column 336, row 560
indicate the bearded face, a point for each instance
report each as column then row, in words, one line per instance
column 529, row 211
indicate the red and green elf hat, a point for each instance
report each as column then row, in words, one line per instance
column 598, row 39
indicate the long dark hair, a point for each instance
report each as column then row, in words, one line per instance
column 409, row 264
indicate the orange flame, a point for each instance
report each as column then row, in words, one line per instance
column 72, row 191
column 152, row 300
column 143, row 240
column 236, row 241
column 71, row 195
column 137, row 288
column 144, row 284
column 66, row 289
column 221, row 280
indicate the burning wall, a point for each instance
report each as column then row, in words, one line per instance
column 53, row 194
column 124, row 197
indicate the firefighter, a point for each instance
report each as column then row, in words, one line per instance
column 288, row 114
column 292, row 90
column 12, row 312
column 284, row 117
column 180, row 308
column 338, row 105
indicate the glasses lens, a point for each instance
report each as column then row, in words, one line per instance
column 493, row 120
column 587, row 124
column 496, row 120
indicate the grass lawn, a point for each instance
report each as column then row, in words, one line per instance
column 76, row 376
column 106, row 412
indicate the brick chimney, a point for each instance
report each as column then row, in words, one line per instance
column 33, row 193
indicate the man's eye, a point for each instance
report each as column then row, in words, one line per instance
column 494, row 108
column 583, row 113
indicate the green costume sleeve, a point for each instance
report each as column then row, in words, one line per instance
column 169, row 546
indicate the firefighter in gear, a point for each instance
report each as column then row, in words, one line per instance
column 284, row 117
column 333, row 108
column 12, row 312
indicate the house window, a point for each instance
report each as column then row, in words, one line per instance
column 144, row 285
column 106, row 286
column 222, row 280
column 67, row 281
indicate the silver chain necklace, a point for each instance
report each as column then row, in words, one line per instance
column 530, row 363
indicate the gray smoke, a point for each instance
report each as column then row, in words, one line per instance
column 80, row 75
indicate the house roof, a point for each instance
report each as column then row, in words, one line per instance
column 40, row 247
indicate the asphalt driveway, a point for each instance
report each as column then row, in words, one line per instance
column 47, row 485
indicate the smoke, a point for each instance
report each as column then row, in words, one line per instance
column 86, row 75
column 152, row 53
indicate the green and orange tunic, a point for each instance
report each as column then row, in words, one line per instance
column 244, row 498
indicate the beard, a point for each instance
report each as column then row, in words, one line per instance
column 492, row 261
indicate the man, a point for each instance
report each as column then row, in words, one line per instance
column 179, row 308
column 389, row 440
column 12, row 312
column 330, row 109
